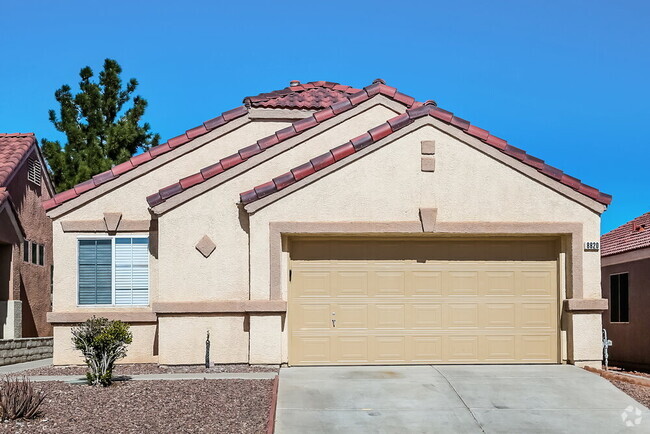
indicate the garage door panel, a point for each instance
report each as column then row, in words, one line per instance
column 462, row 316
column 390, row 349
column 351, row 349
column 312, row 349
column 424, row 316
column 537, row 283
column 312, row 316
column 350, row 316
column 425, row 283
column 500, row 348
column 462, row 283
column 425, row 349
column 537, row 348
column 313, row 283
column 389, row 316
column 388, row 283
column 462, row 349
column 538, row 316
column 424, row 311
column 351, row 283
column 499, row 283
column 499, row 315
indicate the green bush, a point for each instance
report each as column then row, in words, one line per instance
column 102, row 343
column 18, row 399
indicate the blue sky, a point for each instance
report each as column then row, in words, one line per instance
column 565, row 80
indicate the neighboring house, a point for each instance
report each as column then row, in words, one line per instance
column 321, row 224
column 626, row 284
column 25, row 238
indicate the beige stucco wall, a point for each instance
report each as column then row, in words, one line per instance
column 224, row 275
column 182, row 339
column 141, row 350
column 467, row 186
column 130, row 200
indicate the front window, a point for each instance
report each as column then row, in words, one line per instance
column 114, row 271
column 620, row 308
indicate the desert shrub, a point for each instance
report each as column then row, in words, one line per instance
column 102, row 343
column 18, row 399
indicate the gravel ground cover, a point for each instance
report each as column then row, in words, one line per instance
column 636, row 391
column 629, row 371
column 149, row 368
column 195, row 406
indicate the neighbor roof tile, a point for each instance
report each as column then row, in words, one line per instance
column 633, row 235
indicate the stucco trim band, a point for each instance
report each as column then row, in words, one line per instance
column 629, row 256
column 78, row 317
column 101, row 226
column 225, row 306
column 572, row 230
column 586, row 305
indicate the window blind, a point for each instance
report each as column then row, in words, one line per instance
column 95, row 272
column 131, row 271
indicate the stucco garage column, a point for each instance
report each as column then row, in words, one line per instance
column 11, row 313
column 266, row 339
column 584, row 338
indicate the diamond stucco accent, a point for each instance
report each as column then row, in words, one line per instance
column 205, row 246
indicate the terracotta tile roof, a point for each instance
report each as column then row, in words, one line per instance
column 400, row 122
column 149, row 155
column 3, row 195
column 314, row 95
column 13, row 148
column 633, row 235
column 377, row 88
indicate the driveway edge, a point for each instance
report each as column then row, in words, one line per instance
column 270, row 427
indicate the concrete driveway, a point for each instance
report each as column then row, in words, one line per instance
column 453, row 399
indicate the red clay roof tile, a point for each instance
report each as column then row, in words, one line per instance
column 13, row 147
column 146, row 156
column 212, row 170
column 249, row 151
column 400, row 121
column 308, row 123
column 265, row 189
column 284, row 180
column 633, row 235
column 309, row 96
column 322, row 161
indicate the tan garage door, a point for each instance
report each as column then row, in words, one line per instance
column 394, row 302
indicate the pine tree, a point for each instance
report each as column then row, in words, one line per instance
column 100, row 131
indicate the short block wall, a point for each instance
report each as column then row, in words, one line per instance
column 24, row 350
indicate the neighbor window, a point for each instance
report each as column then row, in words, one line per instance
column 33, row 252
column 114, row 271
column 619, row 307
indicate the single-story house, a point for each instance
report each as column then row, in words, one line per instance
column 25, row 239
column 626, row 284
column 326, row 225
